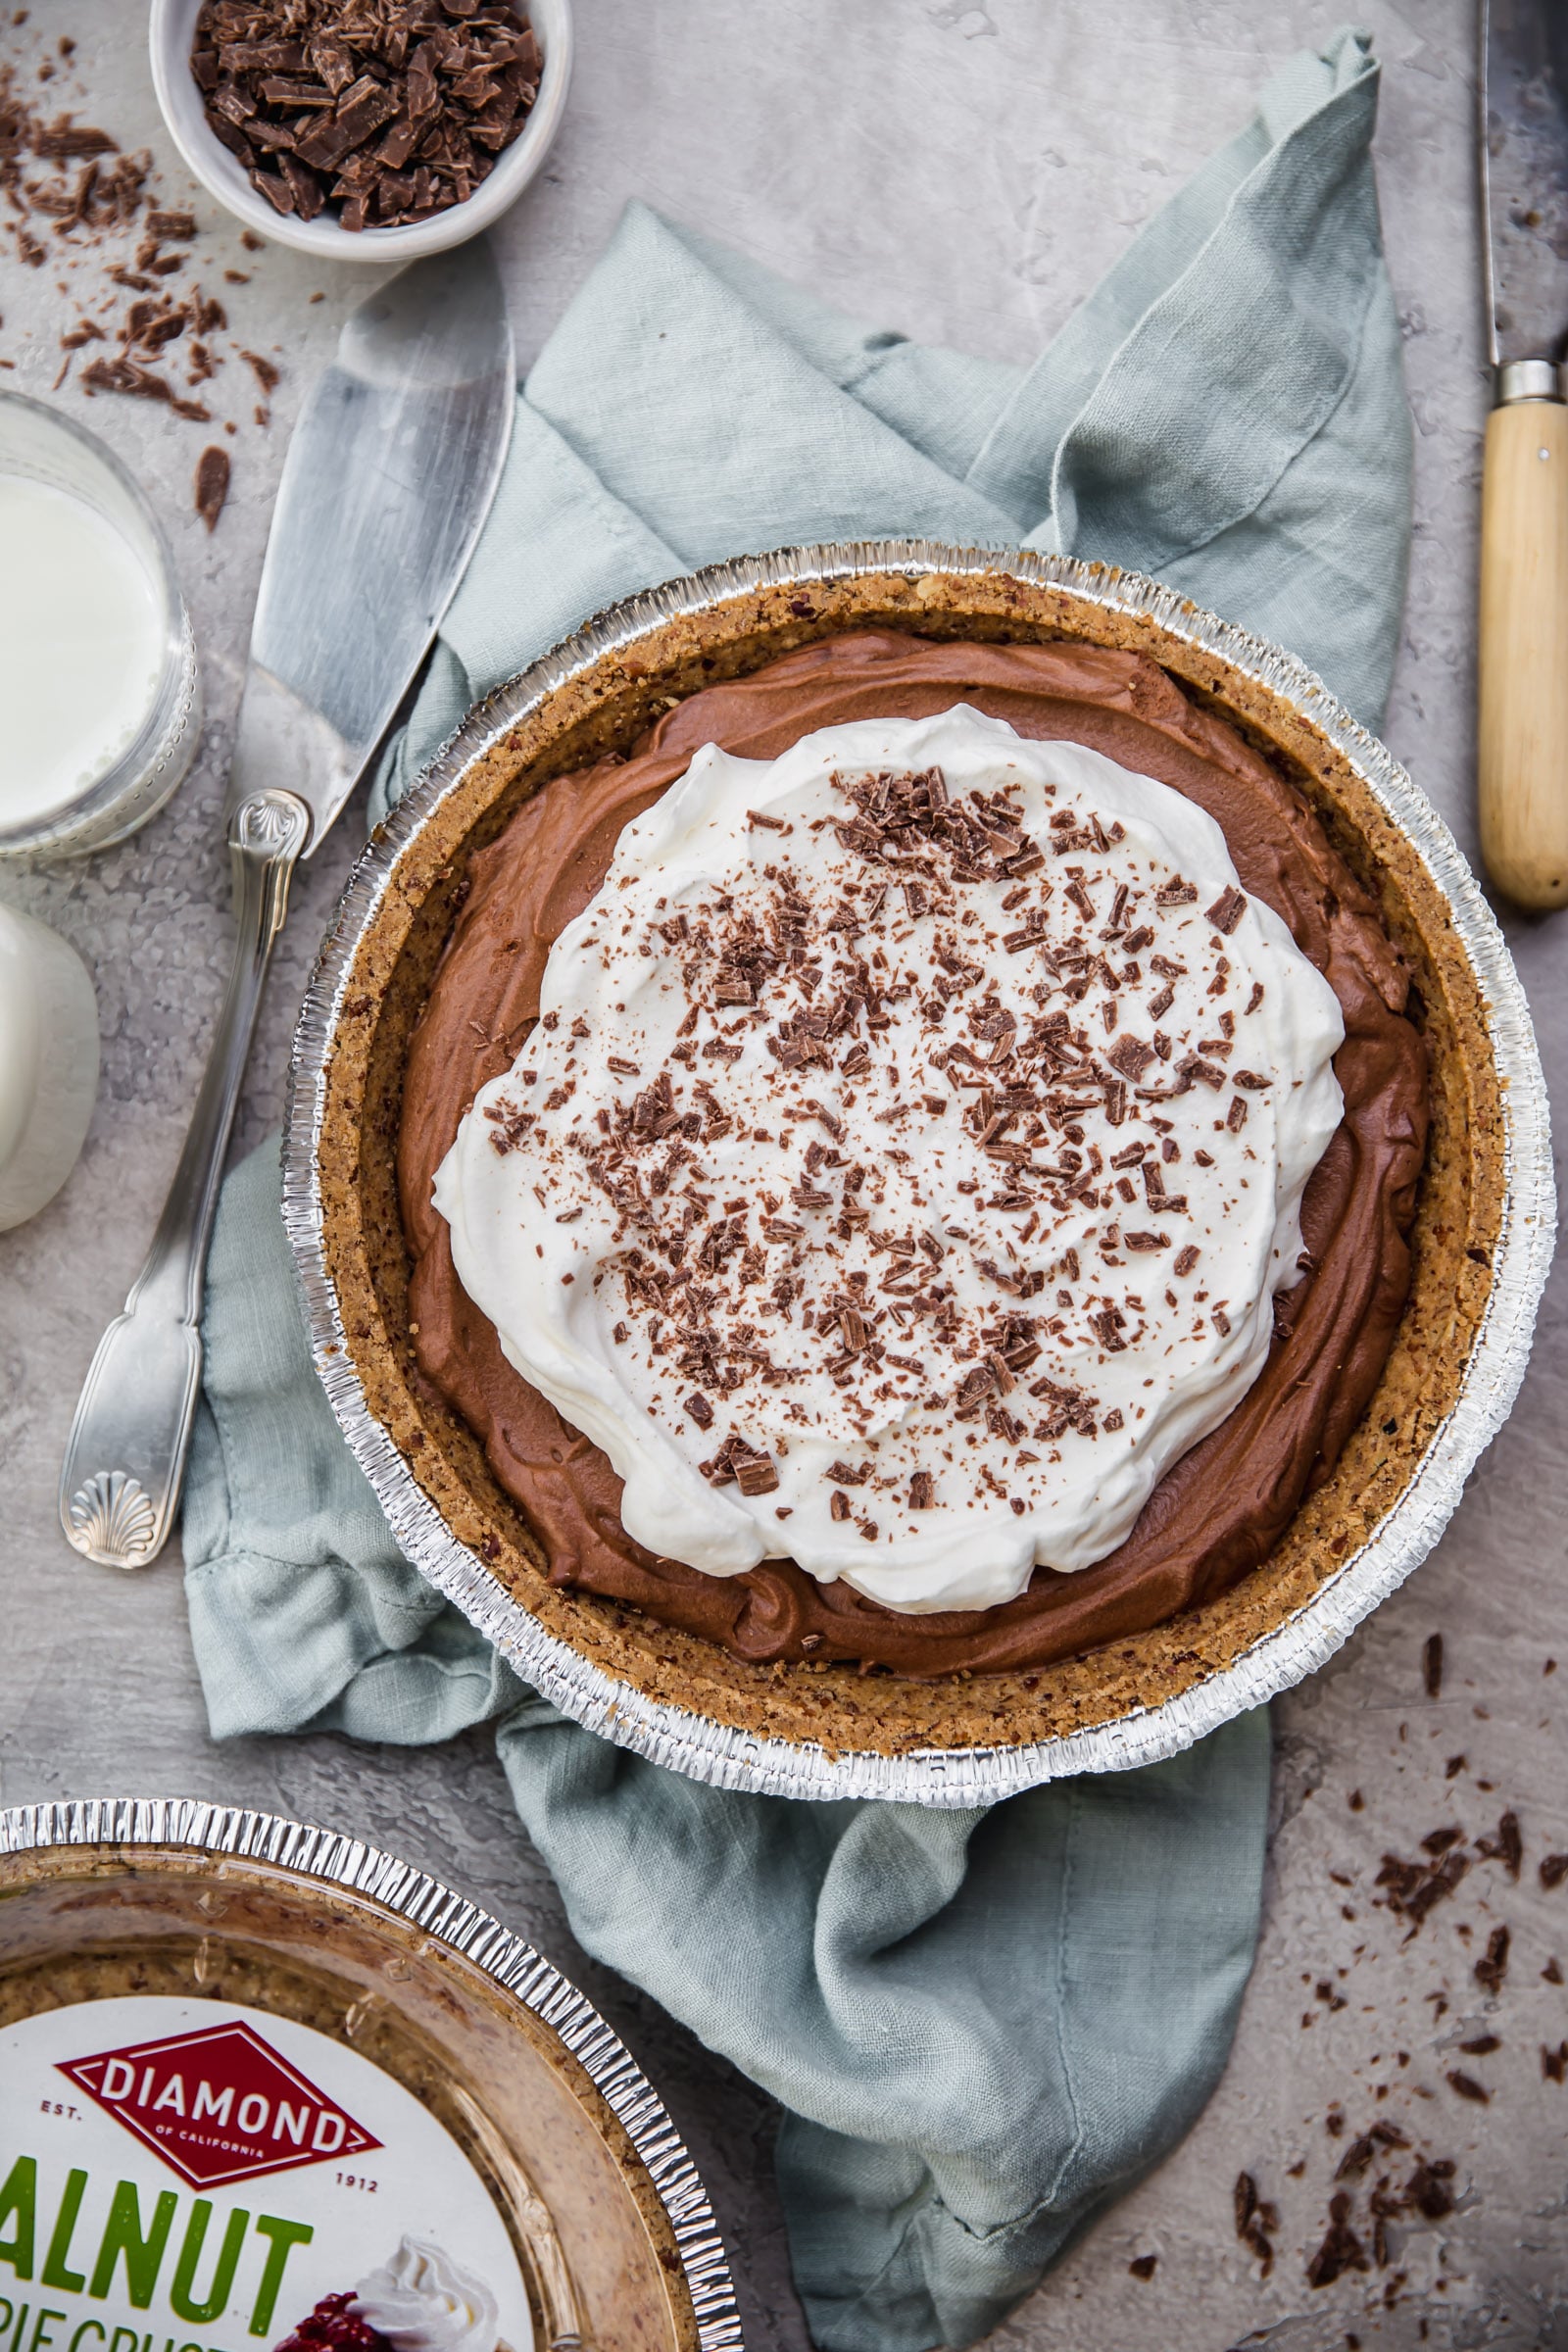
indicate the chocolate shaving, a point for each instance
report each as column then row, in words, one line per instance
column 211, row 484
column 1432, row 1664
column 1492, row 1968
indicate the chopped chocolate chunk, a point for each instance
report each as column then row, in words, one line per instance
column 211, row 484
column 363, row 92
column 922, row 1491
column 1553, row 1870
column 1186, row 1260
column 755, row 1475
column 1175, row 893
column 700, row 1409
column 1227, row 910
column 839, row 1506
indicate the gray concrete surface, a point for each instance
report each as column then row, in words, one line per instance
column 963, row 174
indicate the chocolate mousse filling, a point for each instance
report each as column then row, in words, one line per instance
column 1219, row 1510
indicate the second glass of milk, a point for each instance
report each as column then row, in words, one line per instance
column 100, row 707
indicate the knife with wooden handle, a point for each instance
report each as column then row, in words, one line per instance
column 1522, row 739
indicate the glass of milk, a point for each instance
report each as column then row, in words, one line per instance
column 100, row 705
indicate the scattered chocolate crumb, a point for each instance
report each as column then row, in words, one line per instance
column 1253, row 2217
column 1551, row 1974
column 1143, row 2266
column 1432, row 1664
column 1341, row 2251
column 1492, row 1968
column 1506, row 1846
column 1482, row 2046
column 1468, row 2087
column 266, row 373
column 1553, row 1870
column 101, row 204
column 1554, row 2063
column 211, row 484
column 1415, row 1887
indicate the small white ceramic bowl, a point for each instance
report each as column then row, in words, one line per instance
column 172, row 29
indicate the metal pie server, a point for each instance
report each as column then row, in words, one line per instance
column 1522, row 744
column 390, row 473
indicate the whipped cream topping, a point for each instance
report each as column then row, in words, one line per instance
column 902, row 1168
column 422, row 2301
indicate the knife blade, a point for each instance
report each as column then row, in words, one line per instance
column 390, row 473
column 1522, row 739
column 1524, row 178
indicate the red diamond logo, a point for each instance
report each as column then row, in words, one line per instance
column 220, row 2105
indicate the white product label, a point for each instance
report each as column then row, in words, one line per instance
column 194, row 2176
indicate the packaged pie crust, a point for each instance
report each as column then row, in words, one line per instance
column 261, row 2084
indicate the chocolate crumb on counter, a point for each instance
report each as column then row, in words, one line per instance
column 1256, row 2219
column 211, row 484
column 1341, row 2251
column 94, row 212
column 1493, row 1966
column 1506, row 1846
column 1143, row 2266
column 387, row 111
column 1432, row 1664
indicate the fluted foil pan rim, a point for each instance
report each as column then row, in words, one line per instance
column 334, row 1858
column 723, row 1754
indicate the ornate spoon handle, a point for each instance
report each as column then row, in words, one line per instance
column 125, row 1455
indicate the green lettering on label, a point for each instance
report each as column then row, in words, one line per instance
column 55, row 2273
column 285, row 2236
column 40, row 2341
column 19, row 2203
column 20, row 2324
column 122, row 2234
column 97, row 2327
column 181, row 2294
column 124, row 2340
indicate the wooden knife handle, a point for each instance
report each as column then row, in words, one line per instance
column 1523, row 737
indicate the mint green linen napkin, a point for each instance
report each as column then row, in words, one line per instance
column 981, row 2024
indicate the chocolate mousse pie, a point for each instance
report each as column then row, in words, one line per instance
column 908, row 1165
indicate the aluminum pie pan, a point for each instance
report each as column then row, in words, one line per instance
column 126, row 1828
column 730, row 1756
